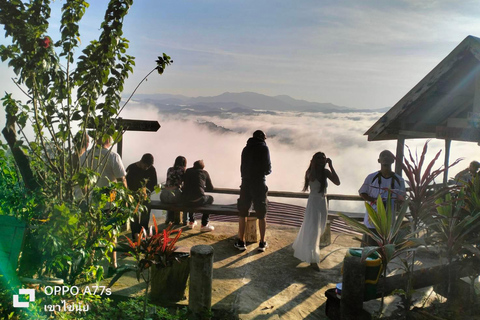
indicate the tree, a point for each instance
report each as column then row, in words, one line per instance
column 65, row 95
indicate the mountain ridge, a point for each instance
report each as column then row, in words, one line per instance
column 232, row 101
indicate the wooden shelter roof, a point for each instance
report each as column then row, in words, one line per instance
column 444, row 105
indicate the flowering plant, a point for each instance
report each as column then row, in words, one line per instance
column 155, row 248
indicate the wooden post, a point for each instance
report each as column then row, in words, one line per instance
column 399, row 155
column 448, row 142
column 326, row 238
column 177, row 215
column 353, row 286
column 201, row 277
column 120, row 146
column 251, row 230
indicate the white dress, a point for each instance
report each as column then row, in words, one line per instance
column 307, row 244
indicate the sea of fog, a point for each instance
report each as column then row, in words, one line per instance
column 293, row 138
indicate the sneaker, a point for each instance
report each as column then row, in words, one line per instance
column 240, row 245
column 191, row 224
column 262, row 245
column 207, row 228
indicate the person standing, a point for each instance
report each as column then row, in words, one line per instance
column 382, row 183
column 254, row 167
column 172, row 191
column 196, row 182
column 106, row 162
column 307, row 244
column 109, row 165
column 142, row 174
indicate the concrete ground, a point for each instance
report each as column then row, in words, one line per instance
column 271, row 284
column 260, row 285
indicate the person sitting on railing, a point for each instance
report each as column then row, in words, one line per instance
column 381, row 183
column 196, row 182
column 306, row 246
column 172, row 190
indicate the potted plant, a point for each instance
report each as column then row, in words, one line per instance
column 390, row 234
column 160, row 263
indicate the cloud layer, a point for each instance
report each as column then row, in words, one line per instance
column 293, row 139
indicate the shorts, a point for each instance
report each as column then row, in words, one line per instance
column 255, row 192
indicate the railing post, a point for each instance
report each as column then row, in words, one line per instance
column 251, row 230
column 353, row 286
column 201, row 276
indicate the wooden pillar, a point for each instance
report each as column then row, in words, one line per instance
column 201, row 277
column 399, row 155
column 120, row 146
column 446, row 163
column 251, row 230
column 326, row 238
column 353, row 287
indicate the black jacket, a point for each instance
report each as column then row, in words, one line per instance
column 136, row 177
column 196, row 182
column 255, row 160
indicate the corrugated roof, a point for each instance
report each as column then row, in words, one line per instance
column 441, row 105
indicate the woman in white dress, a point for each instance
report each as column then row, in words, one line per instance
column 307, row 244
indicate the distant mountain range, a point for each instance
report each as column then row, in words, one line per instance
column 244, row 102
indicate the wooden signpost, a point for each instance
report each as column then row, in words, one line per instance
column 135, row 125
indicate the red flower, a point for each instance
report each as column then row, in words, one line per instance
column 44, row 42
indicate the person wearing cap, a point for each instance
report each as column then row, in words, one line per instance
column 381, row 183
column 142, row 174
column 254, row 167
column 466, row 175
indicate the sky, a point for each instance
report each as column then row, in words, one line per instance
column 359, row 54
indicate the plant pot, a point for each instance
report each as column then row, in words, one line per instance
column 169, row 284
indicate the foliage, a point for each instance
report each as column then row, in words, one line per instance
column 100, row 307
column 390, row 234
column 422, row 191
column 14, row 200
column 472, row 195
column 452, row 228
column 66, row 92
column 132, row 310
column 155, row 249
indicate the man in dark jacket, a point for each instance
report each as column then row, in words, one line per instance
column 196, row 182
column 254, row 167
column 142, row 175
